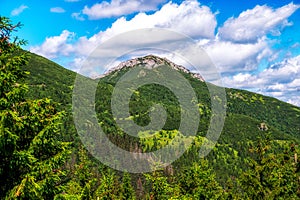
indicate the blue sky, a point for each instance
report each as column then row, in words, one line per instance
column 255, row 45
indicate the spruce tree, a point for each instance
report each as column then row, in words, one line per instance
column 109, row 186
column 198, row 182
column 31, row 154
column 127, row 191
column 160, row 186
column 271, row 174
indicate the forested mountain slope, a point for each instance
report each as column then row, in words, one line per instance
column 251, row 119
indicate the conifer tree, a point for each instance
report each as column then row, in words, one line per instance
column 108, row 188
column 198, row 182
column 31, row 154
column 271, row 175
column 161, row 187
column 127, row 191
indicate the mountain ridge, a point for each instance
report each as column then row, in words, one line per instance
column 150, row 62
column 46, row 76
column 246, row 112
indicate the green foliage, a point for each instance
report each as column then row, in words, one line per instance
column 127, row 191
column 86, row 192
column 72, row 190
column 108, row 188
column 270, row 175
column 157, row 140
column 31, row 152
column 198, row 182
column 161, row 186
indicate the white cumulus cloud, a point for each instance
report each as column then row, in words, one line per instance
column 252, row 24
column 188, row 18
column 117, row 8
column 236, row 57
column 55, row 46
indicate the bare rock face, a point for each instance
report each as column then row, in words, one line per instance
column 151, row 62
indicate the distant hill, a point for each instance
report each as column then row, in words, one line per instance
column 249, row 115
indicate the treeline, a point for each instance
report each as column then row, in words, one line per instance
column 268, row 175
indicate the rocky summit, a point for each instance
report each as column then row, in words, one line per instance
column 151, row 62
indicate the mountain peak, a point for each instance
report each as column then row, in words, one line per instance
column 151, row 62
